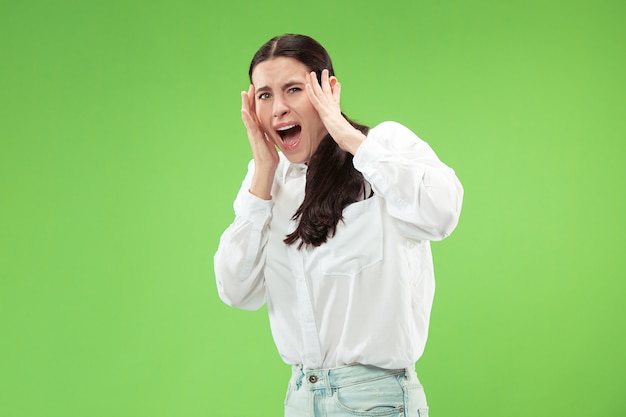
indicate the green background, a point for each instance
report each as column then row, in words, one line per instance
column 122, row 150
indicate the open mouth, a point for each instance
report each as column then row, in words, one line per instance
column 290, row 135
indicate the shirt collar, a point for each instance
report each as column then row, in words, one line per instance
column 291, row 171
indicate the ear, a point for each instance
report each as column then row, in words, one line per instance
column 333, row 82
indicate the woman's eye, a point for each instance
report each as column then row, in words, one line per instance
column 264, row 96
column 294, row 89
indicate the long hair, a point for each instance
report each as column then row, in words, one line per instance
column 332, row 182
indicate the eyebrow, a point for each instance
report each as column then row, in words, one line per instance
column 284, row 86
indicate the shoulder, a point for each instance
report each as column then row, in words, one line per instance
column 391, row 128
column 389, row 125
column 394, row 134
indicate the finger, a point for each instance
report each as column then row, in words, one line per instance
column 313, row 97
column 336, row 88
column 248, row 117
column 244, row 104
column 323, row 93
column 326, row 82
column 251, row 102
column 244, row 101
column 312, row 86
column 248, row 121
column 315, row 84
column 245, row 107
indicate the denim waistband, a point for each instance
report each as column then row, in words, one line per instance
column 314, row 379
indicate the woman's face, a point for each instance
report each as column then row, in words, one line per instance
column 284, row 109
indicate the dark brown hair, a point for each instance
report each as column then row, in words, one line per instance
column 332, row 182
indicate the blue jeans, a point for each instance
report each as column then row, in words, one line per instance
column 355, row 390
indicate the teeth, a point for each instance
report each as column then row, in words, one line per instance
column 280, row 129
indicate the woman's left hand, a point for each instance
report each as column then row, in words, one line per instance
column 325, row 97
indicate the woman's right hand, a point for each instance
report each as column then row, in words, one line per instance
column 263, row 149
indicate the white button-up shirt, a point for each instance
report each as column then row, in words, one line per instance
column 366, row 294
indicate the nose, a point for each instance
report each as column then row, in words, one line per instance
column 280, row 107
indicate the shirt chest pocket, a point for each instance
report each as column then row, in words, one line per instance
column 357, row 244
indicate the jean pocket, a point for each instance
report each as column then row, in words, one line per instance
column 416, row 399
column 383, row 397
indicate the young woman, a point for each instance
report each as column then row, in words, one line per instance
column 332, row 232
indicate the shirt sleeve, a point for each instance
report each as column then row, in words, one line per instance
column 240, row 256
column 420, row 192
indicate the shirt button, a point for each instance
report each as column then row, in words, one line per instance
column 312, row 379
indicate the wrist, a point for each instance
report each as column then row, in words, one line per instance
column 351, row 140
column 348, row 137
column 262, row 196
column 261, row 185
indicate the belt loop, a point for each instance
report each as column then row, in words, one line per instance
column 329, row 391
column 300, row 376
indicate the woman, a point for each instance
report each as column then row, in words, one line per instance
column 333, row 233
